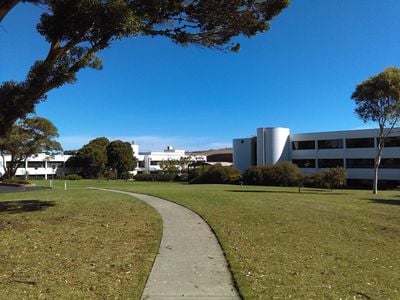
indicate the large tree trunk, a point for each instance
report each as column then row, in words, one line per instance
column 6, row 6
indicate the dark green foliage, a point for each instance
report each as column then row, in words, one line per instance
column 28, row 137
column 155, row 177
column 76, row 30
column 120, row 158
column 91, row 159
column 216, row 174
column 73, row 177
column 281, row 174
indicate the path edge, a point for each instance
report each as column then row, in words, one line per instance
column 162, row 231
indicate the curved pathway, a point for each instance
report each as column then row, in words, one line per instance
column 190, row 263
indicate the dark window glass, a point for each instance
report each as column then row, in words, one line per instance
column 303, row 145
column 154, row 162
column 20, row 165
column 55, row 164
column 330, row 163
column 360, row 143
column 304, row 163
column 390, row 163
column 330, row 144
column 360, row 163
column 393, row 141
column 35, row 164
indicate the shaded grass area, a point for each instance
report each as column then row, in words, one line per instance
column 75, row 244
column 312, row 245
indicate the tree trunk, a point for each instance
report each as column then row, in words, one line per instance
column 6, row 6
column 375, row 184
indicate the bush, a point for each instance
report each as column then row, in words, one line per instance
column 14, row 181
column 281, row 174
column 73, row 177
column 331, row 178
column 155, row 177
column 216, row 174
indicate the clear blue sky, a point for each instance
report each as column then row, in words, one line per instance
column 300, row 75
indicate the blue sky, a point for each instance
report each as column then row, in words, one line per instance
column 300, row 75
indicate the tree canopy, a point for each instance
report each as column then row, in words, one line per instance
column 28, row 137
column 91, row 159
column 120, row 158
column 76, row 30
column 377, row 100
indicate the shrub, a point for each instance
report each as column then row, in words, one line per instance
column 14, row 181
column 334, row 178
column 155, row 177
column 281, row 174
column 73, row 177
column 331, row 178
column 216, row 174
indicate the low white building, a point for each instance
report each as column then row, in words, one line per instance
column 39, row 166
column 151, row 161
column 354, row 150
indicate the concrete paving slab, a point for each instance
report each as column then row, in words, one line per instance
column 190, row 263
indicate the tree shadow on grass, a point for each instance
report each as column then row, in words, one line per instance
column 304, row 192
column 384, row 201
column 21, row 206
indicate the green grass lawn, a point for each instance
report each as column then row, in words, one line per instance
column 75, row 244
column 283, row 244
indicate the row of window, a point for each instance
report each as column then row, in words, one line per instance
column 351, row 163
column 339, row 143
column 39, row 164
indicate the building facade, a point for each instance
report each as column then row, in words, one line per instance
column 354, row 150
column 39, row 166
column 151, row 161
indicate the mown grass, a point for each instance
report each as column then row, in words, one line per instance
column 75, row 244
column 312, row 245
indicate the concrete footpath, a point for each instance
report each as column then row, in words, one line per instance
column 190, row 263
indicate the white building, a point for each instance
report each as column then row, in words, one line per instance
column 354, row 150
column 40, row 166
column 44, row 166
column 151, row 161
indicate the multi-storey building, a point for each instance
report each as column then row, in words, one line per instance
column 39, row 166
column 355, row 150
column 151, row 161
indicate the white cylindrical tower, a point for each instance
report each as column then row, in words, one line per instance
column 272, row 145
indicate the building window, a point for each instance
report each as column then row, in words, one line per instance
column 55, row 164
column 303, row 145
column 35, row 164
column 390, row 163
column 360, row 143
column 154, row 162
column 360, row 163
column 20, row 165
column 393, row 141
column 330, row 144
column 330, row 163
column 141, row 164
column 304, row 163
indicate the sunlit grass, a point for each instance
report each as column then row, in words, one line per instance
column 75, row 244
column 284, row 244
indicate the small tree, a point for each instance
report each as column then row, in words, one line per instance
column 378, row 100
column 27, row 137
